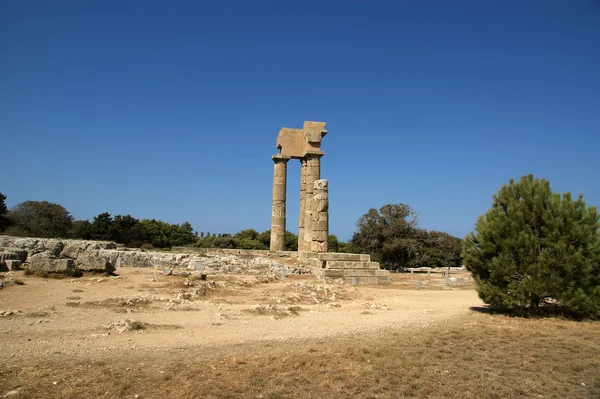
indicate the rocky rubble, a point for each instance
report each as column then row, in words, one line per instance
column 122, row 326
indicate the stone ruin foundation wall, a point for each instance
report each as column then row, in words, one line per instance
column 57, row 255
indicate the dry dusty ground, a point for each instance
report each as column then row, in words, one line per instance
column 243, row 336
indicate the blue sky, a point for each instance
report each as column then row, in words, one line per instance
column 171, row 109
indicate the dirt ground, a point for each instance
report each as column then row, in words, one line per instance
column 144, row 334
column 73, row 315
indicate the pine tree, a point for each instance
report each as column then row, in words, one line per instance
column 537, row 250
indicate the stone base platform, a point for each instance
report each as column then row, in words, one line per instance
column 353, row 268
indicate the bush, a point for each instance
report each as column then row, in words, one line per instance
column 537, row 251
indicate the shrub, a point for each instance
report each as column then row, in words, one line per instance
column 536, row 250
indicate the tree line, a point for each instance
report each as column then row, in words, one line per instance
column 391, row 235
column 48, row 220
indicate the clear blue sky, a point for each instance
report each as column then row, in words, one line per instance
column 170, row 109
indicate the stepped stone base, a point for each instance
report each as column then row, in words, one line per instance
column 352, row 268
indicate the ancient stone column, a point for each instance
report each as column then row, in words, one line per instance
column 279, row 197
column 302, row 215
column 320, row 216
column 313, row 173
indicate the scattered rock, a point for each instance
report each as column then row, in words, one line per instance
column 275, row 311
column 12, row 393
column 122, row 326
column 379, row 306
column 10, row 312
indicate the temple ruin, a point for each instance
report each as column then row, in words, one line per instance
column 313, row 223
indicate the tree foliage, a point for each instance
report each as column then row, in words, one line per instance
column 392, row 237
column 536, row 250
column 39, row 219
column 3, row 213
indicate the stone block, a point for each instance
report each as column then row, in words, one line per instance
column 97, row 260
column 70, row 251
column 316, row 246
column 336, row 256
column 332, row 273
column 352, row 265
column 13, row 264
column 363, row 272
column 51, row 265
column 321, row 184
column 321, row 225
column 369, row 280
column 320, row 235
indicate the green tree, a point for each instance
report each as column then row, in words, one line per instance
column 182, row 234
column 126, row 230
column 333, row 244
column 81, row 229
column 156, row 232
column 536, row 250
column 3, row 213
column 290, row 239
column 388, row 235
column 40, row 219
column 223, row 242
column 248, row 239
column 438, row 249
column 101, row 226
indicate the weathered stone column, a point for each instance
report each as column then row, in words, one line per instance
column 279, row 197
column 313, row 173
column 320, row 216
column 302, row 215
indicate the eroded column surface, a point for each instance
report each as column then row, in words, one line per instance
column 313, row 173
column 279, row 198
column 302, row 204
column 320, row 216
